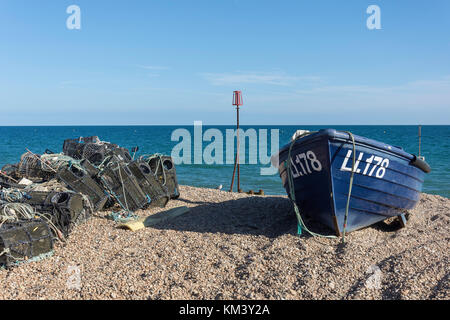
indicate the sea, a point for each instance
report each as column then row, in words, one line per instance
column 435, row 147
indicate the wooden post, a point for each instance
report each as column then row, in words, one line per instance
column 238, row 147
column 236, row 159
column 237, row 101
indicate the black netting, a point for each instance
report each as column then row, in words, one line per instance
column 80, row 181
column 33, row 168
column 90, row 148
column 95, row 152
column 70, row 209
column 23, row 240
column 123, row 186
column 10, row 171
column 64, row 209
column 121, row 154
column 157, row 193
column 164, row 169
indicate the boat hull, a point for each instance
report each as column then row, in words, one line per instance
column 386, row 182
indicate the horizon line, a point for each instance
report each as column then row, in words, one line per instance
column 218, row 125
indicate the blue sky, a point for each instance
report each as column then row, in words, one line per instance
column 173, row 62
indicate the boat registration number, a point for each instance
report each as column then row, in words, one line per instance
column 374, row 164
column 304, row 164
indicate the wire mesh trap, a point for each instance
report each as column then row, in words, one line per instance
column 64, row 210
column 164, row 169
column 32, row 167
column 24, row 241
column 80, row 181
column 157, row 193
column 123, row 186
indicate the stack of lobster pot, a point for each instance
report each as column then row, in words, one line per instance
column 102, row 171
column 133, row 184
column 43, row 197
column 30, row 220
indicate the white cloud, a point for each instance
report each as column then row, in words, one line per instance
column 441, row 85
column 154, row 67
column 426, row 101
column 278, row 79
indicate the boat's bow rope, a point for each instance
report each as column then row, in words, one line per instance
column 288, row 165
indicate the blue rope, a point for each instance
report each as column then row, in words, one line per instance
column 122, row 216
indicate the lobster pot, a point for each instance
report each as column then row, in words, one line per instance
column 91, row 170
column 10, row 170
column 31, row 167
column 80, row 181
column 156, row 192
column 24, row 240
column 74, row 147
column 122, row 154
column 91, row 148
column 6, row 183
column 164, row 169
column 122, row 184
column 71, row 209
column 95, row 152
column 64, row 209
column 38, row 199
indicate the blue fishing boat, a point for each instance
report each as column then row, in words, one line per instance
column 348, row 182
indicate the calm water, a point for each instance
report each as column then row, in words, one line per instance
column 152, row 139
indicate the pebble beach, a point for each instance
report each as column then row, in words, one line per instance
column 239, row 246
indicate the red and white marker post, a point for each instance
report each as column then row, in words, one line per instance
column 237, row 101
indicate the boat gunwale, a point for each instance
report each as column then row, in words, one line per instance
column 335, row 135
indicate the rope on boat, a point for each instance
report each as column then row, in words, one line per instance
column 301, row 224
column 350, row 185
